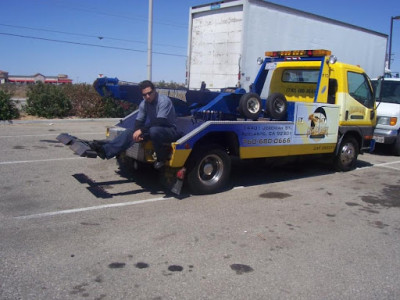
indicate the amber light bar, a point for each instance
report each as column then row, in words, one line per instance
column 298, row 53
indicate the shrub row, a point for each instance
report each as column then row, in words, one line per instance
column 59, row 101
column 8, row 111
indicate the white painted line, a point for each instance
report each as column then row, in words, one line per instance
column 238, row 187
column 76, row 210
column 37, row 160
column 382, row 165
column 388, row 167
column 388, row 163
column 47, row 134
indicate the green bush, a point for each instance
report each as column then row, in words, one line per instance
column 8, row 110
column 114, row 108
column 86, row 103
column 49, row 101
column 58, row 101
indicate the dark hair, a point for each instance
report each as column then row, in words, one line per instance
column 145, row 84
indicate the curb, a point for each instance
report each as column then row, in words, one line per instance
column 52, row 121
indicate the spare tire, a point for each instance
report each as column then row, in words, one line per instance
column 277, row 106
column 250, row 106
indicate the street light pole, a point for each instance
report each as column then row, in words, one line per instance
column 390, row 38
column 150, row 40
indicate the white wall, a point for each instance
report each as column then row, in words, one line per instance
column 272, row 27
column 241, row 31
column 215, row 48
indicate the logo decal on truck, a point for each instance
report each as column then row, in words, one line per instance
column 318, row 124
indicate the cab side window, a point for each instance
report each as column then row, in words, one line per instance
column 359, row 89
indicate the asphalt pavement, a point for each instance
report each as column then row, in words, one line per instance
column 73, row 227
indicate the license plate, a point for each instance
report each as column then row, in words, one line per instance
column 379, row 139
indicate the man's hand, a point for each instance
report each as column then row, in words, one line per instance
column 137, row 136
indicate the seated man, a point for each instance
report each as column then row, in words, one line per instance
column 155, row 121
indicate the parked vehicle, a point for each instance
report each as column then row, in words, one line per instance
column 387, row 131
column 226, row 37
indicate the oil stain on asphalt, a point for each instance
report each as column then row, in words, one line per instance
column 275, row 195
column 390, row 197
column 241, row 269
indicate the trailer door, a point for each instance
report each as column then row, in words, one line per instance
column 214, row 47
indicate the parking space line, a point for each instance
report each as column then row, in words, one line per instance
column 47, row 134
column 383, row 165
column 391, row 168
column 37, row 160
column 76, row 210
column 388, row 163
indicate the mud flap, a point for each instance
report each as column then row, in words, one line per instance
column 80, row 147
column 177, row 187
column 171, row 181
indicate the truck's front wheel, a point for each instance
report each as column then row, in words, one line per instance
column 346, row 157
column 209, row 170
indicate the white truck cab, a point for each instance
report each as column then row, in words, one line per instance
column 387, row 130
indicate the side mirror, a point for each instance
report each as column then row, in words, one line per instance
column 378, row 88
column 372, row 114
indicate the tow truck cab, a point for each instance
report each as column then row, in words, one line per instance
column 315, row 76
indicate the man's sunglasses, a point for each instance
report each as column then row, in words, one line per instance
column 147, row 94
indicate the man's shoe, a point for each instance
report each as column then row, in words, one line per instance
column 158, row 165
column 97, row 146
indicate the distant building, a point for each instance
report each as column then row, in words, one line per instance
column 31, row 79
column 3, row 76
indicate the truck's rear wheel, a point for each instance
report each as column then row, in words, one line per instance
column 276, row 106
column 346, row 157
column 209, row 170
column 250, row 106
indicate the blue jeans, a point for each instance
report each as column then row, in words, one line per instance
column 157, row 134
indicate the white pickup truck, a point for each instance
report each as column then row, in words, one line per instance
column 387, row 130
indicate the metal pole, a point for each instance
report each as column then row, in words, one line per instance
column 390, row 38
column 150, row 40
column 390, row 42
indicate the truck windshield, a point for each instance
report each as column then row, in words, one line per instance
column 390, row 92
column 359, row 89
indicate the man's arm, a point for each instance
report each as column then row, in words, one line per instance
column 140, row 124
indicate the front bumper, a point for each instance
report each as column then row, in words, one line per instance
column 385, row 136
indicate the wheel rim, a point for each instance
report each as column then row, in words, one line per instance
column 210, row 169
column 279, row 105
column 347, row 154
column 253, row 105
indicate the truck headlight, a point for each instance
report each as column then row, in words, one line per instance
column 387, row 121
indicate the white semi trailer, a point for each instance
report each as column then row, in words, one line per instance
column 227, row 37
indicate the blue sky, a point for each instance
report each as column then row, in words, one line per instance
column 62, row 36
